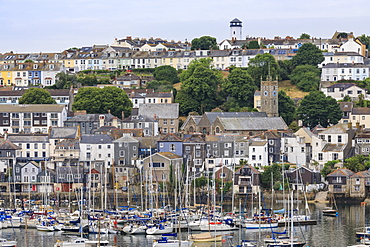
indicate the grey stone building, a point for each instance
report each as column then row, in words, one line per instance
column 126, row 149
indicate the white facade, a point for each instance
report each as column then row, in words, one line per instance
column 258, row 154
column 294, row 149
column 340, row 91
column 343, row 71
column 31, row 118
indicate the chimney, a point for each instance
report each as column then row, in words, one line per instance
column 115, row 122
column 101, row 120
column 155, row 116
column 357, row 125
column 123, row 115
column 5, row 135
column 350, row 125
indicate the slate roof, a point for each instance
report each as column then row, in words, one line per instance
column 8, row 145
column 345, row 106
column 69, row 143
column 170, row 137
column 253, row 170
column 344, row 65
column 361, row 111
column 63, row 133
column 166, row 111
column 336, row 129
column 148, row 141
column 127, row 138
column 258, row 143
column 343, row 172
column 169, row 155
column 342, row 85
column 127, row 77
column 27, row 138
column 90, row 118
column 334, row 147
column 96, row 139
column 253, row 123
column 236, row 20
column 362, row 174
column 212, row 116
column 32, row 108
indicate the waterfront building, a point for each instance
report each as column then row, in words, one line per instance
column 31, row 118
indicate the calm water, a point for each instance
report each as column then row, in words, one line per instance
column 329, row 231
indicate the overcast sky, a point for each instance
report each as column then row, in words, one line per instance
column 53, row 26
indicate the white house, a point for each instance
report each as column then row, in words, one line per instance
column 344, row 71
column 339, row 90
column 258, row 154
column 96, row 150
column 31, row 118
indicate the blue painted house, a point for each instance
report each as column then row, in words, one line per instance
column 171, row 143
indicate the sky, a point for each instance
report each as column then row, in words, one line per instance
column 53, row 26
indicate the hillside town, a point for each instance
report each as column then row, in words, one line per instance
column 56, row 148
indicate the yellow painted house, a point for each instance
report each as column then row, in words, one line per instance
column 6, row 75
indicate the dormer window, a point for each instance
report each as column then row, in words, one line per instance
column 35, row 66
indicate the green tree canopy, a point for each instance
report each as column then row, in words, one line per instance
column 204, row 43
column 304, row 36
column 239, row 85
column 328, row 168
column 271, row 172
column 251, row 45
column 285, row 69
column 160, row 86
column 36, row 96
column 64, row 81
column 316, row 108
column 308, row 54
column 166, row 73
column 286, row 107
column 199, row 89
column 306, row 77
column 262, row 66
column 102, row 100
column 357, row 163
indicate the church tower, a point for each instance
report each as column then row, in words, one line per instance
column 269, row 98
column 236, row 29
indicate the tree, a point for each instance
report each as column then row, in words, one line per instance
column 316, row 108
column 304, row 36
column 306, row 77
column 251, row 45
column 286, row 107
column 199, row 88
column 204, row 43
column 64, row 81
column 328, row 168
column 263, row 66
column 285, row 69
column 308, row 54
column 271, row 172
column 357, row 163
column 102, row 100
column 240, row 86
column 160, row 86
column 36, row 96
column 166, row 73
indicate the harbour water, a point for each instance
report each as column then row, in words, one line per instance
column 330, row 231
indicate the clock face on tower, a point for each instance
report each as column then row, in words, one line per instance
column 265, row 93
column 274, row 93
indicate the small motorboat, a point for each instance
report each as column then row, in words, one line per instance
column 165, row 242
column 7, row 243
